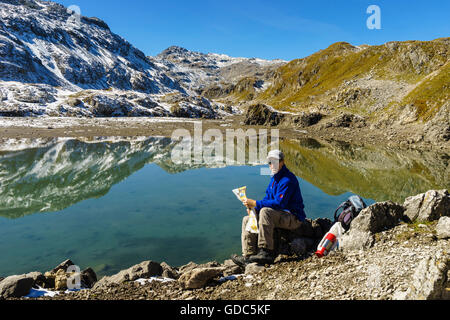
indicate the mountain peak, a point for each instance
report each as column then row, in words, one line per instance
column 174, row 50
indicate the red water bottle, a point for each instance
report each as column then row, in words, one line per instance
column 326, row 245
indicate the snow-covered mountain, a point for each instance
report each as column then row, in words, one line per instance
column 196, row 71
column 44, row 42
column 56, row 62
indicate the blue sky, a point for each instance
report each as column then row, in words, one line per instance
column 284, row 29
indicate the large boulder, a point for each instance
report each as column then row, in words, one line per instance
column 38, row 278
column 303, row 239
column 428, row 206
column 15, row 286
column 376, row 218
column 262, row 115
column 430, row 280
column 443, row 228
column 146, row 269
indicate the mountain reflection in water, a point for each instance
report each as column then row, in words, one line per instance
column 55, row 174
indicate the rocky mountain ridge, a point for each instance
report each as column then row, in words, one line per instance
column 197, row 71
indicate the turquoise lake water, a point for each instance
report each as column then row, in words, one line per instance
column 111, row 205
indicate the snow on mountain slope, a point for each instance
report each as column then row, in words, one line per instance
column 57, row 63
column 54, row 62
column 43, row 42
column 196, row 71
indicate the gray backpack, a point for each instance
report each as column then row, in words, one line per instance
column 350, row 210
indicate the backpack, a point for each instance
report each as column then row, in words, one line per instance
column 350, row 210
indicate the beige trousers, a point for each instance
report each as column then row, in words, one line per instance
column 268, row 220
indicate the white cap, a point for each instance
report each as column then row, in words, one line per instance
column 276, row 154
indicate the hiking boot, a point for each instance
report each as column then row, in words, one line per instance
column 241, row 261
column 263, row 257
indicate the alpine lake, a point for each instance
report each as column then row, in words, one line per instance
column 112, row 203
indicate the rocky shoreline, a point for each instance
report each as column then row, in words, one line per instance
column 391, row 252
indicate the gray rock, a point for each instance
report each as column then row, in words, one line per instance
column 190, row 266
column 356, row 240
column 145, row 269
column 38, row 278
column 63, row 266
column 88, row 278
column 428, row 206
column 230, row 268
column 320, row 227
column 301, row 246
column 253, row 268
column 73, row 102
column 262, row 115
column 169, row 272
column 430, row 279
column 15, row 286
column 199, row 277
column 378, row 217
column 443, row 228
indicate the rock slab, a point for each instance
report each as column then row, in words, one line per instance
column 429, row 206
column 443, row 228
column 15, row 286
column 146, row 269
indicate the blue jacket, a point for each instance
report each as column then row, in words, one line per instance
column 284, row 194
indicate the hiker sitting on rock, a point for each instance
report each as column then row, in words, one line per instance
column 281, row 208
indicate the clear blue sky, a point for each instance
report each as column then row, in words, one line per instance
column 284, row 29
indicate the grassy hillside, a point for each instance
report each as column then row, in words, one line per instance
column 361, row 79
